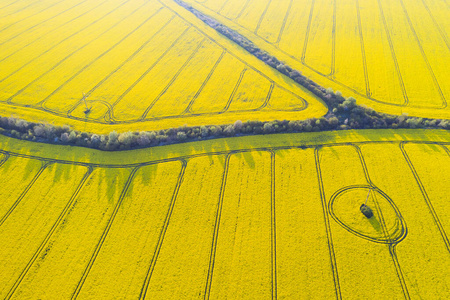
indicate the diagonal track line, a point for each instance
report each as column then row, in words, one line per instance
column 212, row 255
column 262, row 17
column 40, row 23
column 9, row 100
column 54, row 4
column 105, row 233
column 20, row 9
column 213, row 69
column 9, row 4
column 98, row 57
column 426, row 197
column 424, row 56
column 49, row 234
column 65, row 39
column 150, row 68
column 122, row 64
column 43, row 35
column 23, row 194
column 163, row 231
column 273, row 228
column 327, row 225
column 173, row 79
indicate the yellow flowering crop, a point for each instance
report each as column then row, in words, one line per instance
column 133, row 65
column 389, row 55
column 269, row 216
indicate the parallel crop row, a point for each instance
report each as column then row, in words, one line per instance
column 130, row 61
column 390, row 52
column 78, row 229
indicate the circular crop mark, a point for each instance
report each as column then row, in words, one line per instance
column 386, row 226
column 97, row 111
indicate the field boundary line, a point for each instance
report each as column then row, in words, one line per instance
column 215, row 236
column 9, row 100
column 35, row 25
column 174, row 78
column 121, row 65
column 363, row 50
column 425, row 196
column 40, row 37
column 424, row 56
column 162, row 234
column 208, row 77
column 65, row 58
column 262, row 17
column 97, row 58
column 274, row 286
column 25, row 191
column 49, row 234
column 233, row 93
column 334, row 268
column 105, row 233
column 149, row 69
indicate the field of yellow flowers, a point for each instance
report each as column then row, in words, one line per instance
column 261, row 217
column 134, row 64
column 390, row 55
column 265, row 217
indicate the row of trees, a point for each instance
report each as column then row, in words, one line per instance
column 345, row 114
column 259, row 53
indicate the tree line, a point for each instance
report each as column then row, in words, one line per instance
column 343, row 113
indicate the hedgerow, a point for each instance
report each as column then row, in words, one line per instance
column 343, row 113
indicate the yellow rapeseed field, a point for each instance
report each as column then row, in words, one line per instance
column 140, row 65
column 254, row 217
column 390, row 55
column 276, row 216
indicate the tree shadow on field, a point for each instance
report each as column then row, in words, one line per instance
column 106, row 181
column 432, row 148
column 9, row 165
column 145, row 176
column 249, row 159
column 65, row 171
column 330, row 151
column 6, row 164
column 247, row 156
column 32, row 166
column 375, row 224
